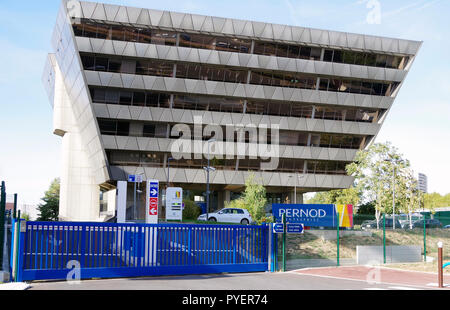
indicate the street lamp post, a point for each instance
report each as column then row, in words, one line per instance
column 295, row 185
column 393, row 187
column 208, row 168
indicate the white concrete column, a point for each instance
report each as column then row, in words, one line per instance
column 121, row 201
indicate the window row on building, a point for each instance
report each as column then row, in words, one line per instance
column 286, row 137
column 158, row 160
column 234, row 105
column 238, row 45
column 234, row 75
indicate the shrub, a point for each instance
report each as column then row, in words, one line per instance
column 191, row 210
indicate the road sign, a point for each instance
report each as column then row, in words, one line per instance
column 278, row 228
column 294, row 228
column 135, row 178
column 152, row 202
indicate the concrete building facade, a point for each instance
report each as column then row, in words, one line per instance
column 290, row 105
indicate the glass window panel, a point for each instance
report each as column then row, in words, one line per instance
column 259, row 48
column 222, row 44
column 210, row 42
column 131, row 34
column 112, row 97
column 117, row 33
column 99, row 95
column 360, row 59
column 126, row 97
column 282, row 50
column 185, row 40
column 366, row 88
column 338, row 56
column 101, row 64
column 142, row 67
column 103, row 31
column 334, row 85
column 285, row 109
column 328, row 55
column 371, row 60
column 107, row 127
column 246, row 46
column 294, row 51
column 78, row 30
column 270, row 49
column 164, row 100
column 88, row 62
column 145, row 35
column 115, row 65
column 323, row 84
column 149, row 131
column 377, row 89
column 139, row 99
column 152, row 100
column 348, row 57
column 305, row 52
column 315, row 53
column 123, row 128
column 381, row 61
column 90, row 30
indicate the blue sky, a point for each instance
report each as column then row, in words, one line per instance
column 418, row 124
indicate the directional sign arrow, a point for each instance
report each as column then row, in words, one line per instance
column 154, row 192
column 153, row 211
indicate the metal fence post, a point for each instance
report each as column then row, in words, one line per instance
column 384, row 238
column 270, row 249
column 2, row 221
column 337, row 238
column 424, row 240
column 284, row 242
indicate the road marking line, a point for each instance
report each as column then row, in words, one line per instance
column 350, row 279
column 404, row 288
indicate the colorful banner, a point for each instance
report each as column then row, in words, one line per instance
column 345, row 215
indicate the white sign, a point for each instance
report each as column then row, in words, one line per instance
column 152, row 202
column 135, row 178
column 174, row 203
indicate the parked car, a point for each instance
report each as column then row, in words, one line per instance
column 429, row 223
column 447, row 226
column 373, row 224
column 228, row 215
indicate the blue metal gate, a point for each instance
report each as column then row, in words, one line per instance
column 50, row 250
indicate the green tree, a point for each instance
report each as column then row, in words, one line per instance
column 49, row 210
column 343, row 196
column 253, row 200
column 374, row 169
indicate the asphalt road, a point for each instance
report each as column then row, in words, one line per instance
column 248, row 281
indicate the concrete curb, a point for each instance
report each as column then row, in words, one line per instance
column 19, row 286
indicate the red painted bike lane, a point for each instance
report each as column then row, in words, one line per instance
column 377, row 274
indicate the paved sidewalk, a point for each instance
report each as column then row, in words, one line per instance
column 378, row 274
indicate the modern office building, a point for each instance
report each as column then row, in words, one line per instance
column 122, row 80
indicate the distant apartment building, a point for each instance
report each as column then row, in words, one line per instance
column 123, row 81
column 423, row 182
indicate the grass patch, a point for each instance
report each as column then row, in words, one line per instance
column 310, row 246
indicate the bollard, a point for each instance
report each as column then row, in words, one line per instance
column 440, row 266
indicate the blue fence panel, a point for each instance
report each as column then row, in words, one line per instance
column 110, row 250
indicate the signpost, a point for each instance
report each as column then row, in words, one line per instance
column 174, row 205
column 135, row 179
column 151, row 216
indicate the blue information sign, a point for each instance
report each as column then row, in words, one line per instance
column 278, row 228
column 294, row 228
column 154, row 189
column 308, row 215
